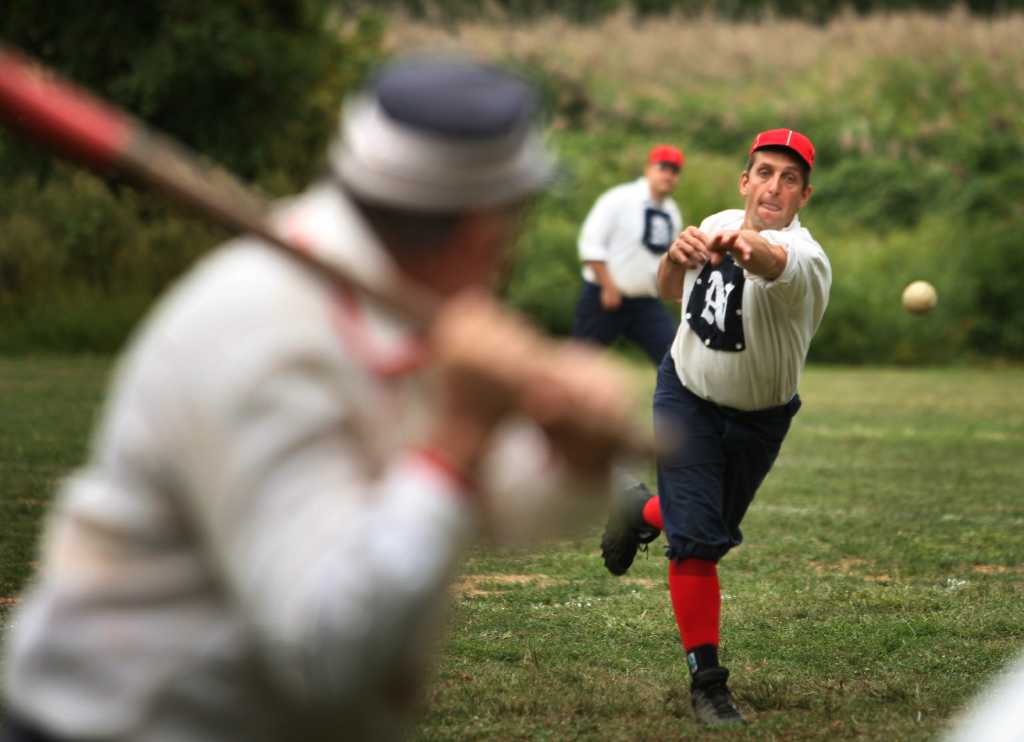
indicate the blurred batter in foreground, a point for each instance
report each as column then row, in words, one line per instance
column 285, row 475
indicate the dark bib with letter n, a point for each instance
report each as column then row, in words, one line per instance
column 715, row 307
column 657, row 230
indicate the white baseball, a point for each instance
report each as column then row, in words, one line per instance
column 919, row 297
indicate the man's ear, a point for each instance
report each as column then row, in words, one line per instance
column 744, row 181
column 806, row 196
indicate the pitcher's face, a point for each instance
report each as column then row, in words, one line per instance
column 774, row 190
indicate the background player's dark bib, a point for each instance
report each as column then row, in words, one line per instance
column 715, row 307
column 658, row 232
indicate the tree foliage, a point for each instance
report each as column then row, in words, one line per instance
column 252, row 84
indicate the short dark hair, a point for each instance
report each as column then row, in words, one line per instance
column 406, row 230
column 411, row 231
column 805, row 169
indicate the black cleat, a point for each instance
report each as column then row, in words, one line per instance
column 712, row 702
column 626, row 530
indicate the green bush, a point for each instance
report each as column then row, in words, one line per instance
column 877, row 192
column 76, row 320
column 993, row 267
column 78, row 264
column 253, row 85
column 865, row 321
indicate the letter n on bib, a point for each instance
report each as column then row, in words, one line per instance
column 715, row 307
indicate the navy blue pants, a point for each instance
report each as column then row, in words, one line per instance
column 720, row 458
column 642, row 320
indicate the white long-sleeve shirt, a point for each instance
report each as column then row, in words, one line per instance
column 629, row 231
column 768, row 324
column 254, row 549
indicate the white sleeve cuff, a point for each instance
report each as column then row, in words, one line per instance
column 593, row 251
column 788, row 272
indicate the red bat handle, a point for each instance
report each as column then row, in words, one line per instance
column 59, row 114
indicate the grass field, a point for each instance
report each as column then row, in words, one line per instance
column 878, row 588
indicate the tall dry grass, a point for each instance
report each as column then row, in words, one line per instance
column 659, row 58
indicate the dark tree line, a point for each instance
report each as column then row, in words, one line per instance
column 817, row 11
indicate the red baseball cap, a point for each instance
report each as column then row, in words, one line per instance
column 788, row 138
column 666, row 153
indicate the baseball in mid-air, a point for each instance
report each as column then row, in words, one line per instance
column 919, row 297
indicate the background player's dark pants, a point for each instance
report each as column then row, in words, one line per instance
column 644, row 321
column 706, row 485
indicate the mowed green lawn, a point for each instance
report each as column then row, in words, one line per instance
column 879, row 586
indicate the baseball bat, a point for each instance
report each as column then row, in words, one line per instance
column 81, row 127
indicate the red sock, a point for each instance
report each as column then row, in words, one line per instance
column 652, row 514
column 696, row 601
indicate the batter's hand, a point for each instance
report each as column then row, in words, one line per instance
column 478, row 348
column 583, row 402
column 494, row 364
column 690, row 249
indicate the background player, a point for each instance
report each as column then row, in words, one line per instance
column 622, row 239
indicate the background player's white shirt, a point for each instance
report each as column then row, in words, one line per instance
column 613, row 232
column 253, row 550
column 779, row 318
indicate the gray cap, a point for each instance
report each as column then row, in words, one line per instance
column 442, row 134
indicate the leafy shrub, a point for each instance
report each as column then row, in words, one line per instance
column 78, row 264
column 992, row 266
column 877, row 193
column 253, row 85
column 865, row 322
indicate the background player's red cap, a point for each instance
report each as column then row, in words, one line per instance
column 788, row 138
column 666, row 153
